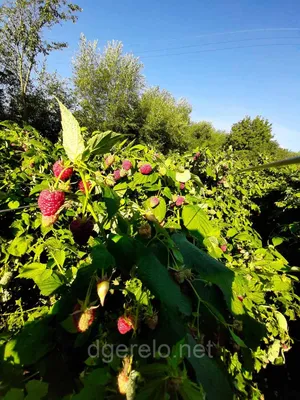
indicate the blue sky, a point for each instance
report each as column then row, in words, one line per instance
column 243, row 59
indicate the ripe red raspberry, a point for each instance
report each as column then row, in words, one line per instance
column 223, row 247
column 241, row 298
column 117, row 175
column 146, row 169
column 180, row 200
column 126, row 165
column 50, row 202
column 125, row 324
column 81, row 230
column 83, row 319
column 182, row 186
column 81, row 186
column 60, row 170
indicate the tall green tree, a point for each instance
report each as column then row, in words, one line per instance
column 108, row 85
column 252, row 135
column 164, row 120
column 22, row 27
column 203, row 134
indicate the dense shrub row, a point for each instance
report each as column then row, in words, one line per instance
column 106, row 242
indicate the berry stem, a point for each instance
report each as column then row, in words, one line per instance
column 86, row 192
column 88, row 293
column 58, row 178
column 137, row 311
column 207, row 306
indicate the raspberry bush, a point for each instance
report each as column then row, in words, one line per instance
column 136, row 247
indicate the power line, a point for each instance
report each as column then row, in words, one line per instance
column 217, row 43
column 225, row 33
column 224, row 48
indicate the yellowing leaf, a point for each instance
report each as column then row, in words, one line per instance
column 72, row 138
column 282, row 322
column 183, row 176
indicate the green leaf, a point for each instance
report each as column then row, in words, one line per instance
column 154, row 370
column 13, row 204
column 39, row 187
column 36, row 390
column 93, row 385
column 157, row 279
column 212, row 245
column 167, row 192
column 172, row 224
column 277, row 241
column 49, row 284
column 14, row 394
column 140, row 179
column 98, row 377
column 237, row 339
column 102, row 142
column 19, row 245
column 102, row 259
column 121, row 188
column 212, row 299
column 183, row 176
column 32, row 271
column 46, row 280
column 197, row 180
column 231, row 232
column 68, row 325
column 72, row 138
column 274, row 351
column 197, row 222
column 210, row 270
column 243, row 236
column 282, row 322
column 135, row 287
column 159, row 211
column 231, row 284
column 152, row 187
column 60, row 257
column 111, row 200
column 209, row 374
column 154, row 390
column 37, row 335
column 190, row 391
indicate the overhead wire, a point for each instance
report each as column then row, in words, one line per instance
column 217, row 43
column 221, row 49
column 221, row 34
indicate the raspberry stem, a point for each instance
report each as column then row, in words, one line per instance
column 86, row 192
column 88, row 293
column 59, row 176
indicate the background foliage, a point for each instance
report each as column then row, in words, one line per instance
column 243, row 307
column 196, row 250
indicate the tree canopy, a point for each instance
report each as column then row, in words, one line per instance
column 22, row 26
column 108, row 85
column 164, row 120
